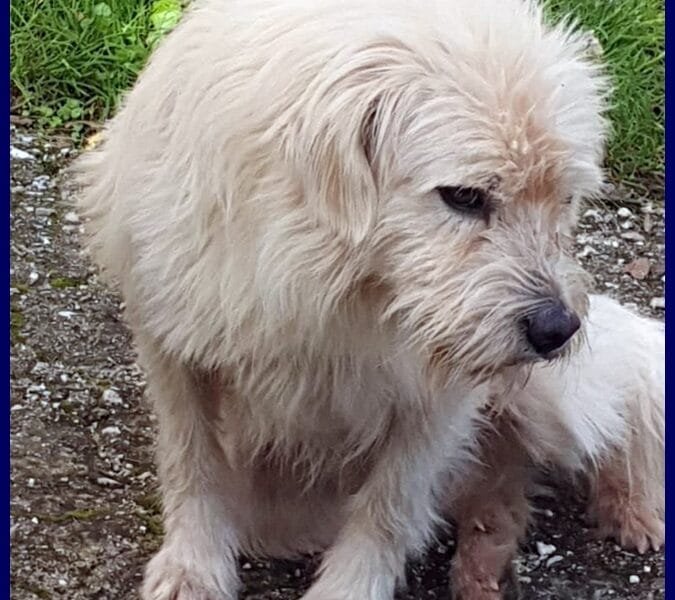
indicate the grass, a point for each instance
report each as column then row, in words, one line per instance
column 73, row 59
column 632, row 35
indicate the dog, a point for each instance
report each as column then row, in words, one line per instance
column 335, row 225
column 600, row 417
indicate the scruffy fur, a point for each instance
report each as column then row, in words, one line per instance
column 318, row 328
column 601, row 417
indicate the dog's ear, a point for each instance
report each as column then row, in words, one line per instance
column 341, row 177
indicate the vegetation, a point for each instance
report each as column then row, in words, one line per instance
column 73, row 59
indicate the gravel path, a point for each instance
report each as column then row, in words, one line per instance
column 84, row 506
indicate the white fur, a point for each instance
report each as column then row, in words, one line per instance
column 316, row 325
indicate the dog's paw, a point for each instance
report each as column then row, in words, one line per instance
column 633, row 530
column 167, row 579
column 469, row 587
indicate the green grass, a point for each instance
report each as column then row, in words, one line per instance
column 632, row 35
column 73, row 59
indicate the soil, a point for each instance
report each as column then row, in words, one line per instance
column 84, row 507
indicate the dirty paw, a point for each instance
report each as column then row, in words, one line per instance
column 471, row 586
column 633, row 529
column 169, row 580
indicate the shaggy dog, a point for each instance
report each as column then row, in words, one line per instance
column 335, row 224
column 600, row 416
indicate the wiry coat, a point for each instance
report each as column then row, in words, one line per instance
column 317, row 327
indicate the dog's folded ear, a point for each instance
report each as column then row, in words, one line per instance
column 337, row 139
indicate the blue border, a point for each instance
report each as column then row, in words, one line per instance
column 670, row 266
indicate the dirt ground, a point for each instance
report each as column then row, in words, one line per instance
column 84, row 506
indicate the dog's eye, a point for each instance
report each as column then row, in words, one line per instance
column 466, row 200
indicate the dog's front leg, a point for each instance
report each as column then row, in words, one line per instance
column 197, row 558
column 491, row 513
column 389, row 516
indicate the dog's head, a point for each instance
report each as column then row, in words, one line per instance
column 452, row 158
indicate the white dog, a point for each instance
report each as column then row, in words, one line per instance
column 600, row 415
column 334, row 224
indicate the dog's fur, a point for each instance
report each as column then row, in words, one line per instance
column 318, row 329
column 601, row 416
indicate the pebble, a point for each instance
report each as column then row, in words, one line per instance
column 41, row 211
column 19, row 154
column 647, row 569
column 658, row 302
column 634, row 579
column 31, row 482
column 545, row 549
column 246, row 566
column 110, row 396
column 111, row 430
column 33, row 277
column 624, row 212
column 632, row 236
column 587, row 250
column 107, row 481
column 71, row 217
column 553, row 560
column 66, row 314
column 41, row 182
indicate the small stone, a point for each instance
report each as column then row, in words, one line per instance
column 545, row 549
column 631, row 236
column 66, row 314
column 62, row 583
column 624, row 212
column 647, row 569
column 41, row 211
column 111, row 430
column 107, row 482
column 634, row 579
column 297, row 573
column 587, row 250
column 31, row 482
column 19, row 154
column 639, row 268
column 41, row 183
column 246, row 566
column 110, row 396
column 33, row 277
column 34, row 520
column 71, row 217
column 658, row 302
column 553, row 560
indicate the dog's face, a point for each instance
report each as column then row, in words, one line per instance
column 477, row 173
column 472, row 239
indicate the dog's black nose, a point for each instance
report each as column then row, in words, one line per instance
column 550, row 327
